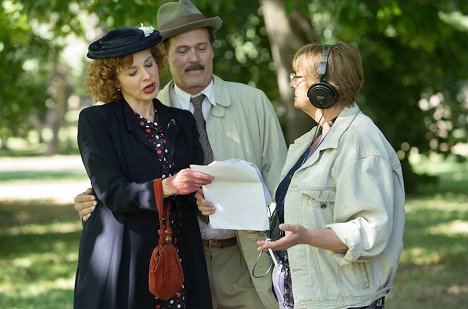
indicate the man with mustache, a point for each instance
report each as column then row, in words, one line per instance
column 240, row 123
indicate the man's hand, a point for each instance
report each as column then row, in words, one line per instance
column 85, row 203
column 205, row 207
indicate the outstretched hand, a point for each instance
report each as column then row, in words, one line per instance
column 295, row 234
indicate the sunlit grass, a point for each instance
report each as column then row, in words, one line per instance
column 38, row 229
column 434, row 263
column 44, row 279
column 455, row 228
column 43, row 175
column 38, row 254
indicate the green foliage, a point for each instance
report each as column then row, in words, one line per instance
column 414, row 69
column 24, row 57
column 242, row 48
column 412, row 52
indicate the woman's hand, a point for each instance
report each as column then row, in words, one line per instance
column 206, row 208
column 297, row 234
column 185, row 181
column 85, row 203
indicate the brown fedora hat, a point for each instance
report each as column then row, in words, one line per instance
column 174, row 18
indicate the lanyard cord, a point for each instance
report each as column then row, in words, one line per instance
column 316, row 142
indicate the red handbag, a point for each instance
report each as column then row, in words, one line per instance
column 165, row 271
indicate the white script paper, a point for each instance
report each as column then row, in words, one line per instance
column 238, row 193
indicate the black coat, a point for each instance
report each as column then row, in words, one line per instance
column 119, row 236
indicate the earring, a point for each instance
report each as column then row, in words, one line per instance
column 118, row 89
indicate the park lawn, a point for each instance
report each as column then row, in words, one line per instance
column 434, row 267
column 38, row 254
column 39, row 241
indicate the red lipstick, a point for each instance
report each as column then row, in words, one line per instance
column 149, row 88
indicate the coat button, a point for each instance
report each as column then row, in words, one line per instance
column 323, row 206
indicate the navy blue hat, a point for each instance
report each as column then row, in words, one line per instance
column 123, row 41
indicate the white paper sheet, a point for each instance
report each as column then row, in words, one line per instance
column 238, row 193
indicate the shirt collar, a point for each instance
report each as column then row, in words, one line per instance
column 182, row 98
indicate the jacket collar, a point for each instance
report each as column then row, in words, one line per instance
column 222, row 97
column 331, row 141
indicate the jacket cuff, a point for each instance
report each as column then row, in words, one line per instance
column 351, row 237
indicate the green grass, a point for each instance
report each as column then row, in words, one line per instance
column 434, row 267
column 41, row 175
column 38, row 254
column 39, row 241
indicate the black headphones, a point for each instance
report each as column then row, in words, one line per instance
column 321, row 94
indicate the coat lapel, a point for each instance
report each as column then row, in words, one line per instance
column 170, row 124
column 222, row 97
column 166, row 120
column 133, row 126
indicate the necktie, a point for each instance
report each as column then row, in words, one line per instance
column 201, row 127
column 203, row 138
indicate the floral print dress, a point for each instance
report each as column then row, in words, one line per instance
column 156, row 137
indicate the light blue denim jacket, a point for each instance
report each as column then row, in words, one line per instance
column 352, row 184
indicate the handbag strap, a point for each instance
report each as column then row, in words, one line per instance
column 165, row 231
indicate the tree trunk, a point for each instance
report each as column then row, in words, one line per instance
column 4, row 142
column 287, row 35
column 60, row 90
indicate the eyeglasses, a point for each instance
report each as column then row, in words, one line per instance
column 293, row 78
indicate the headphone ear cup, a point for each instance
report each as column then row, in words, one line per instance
column 322, row 95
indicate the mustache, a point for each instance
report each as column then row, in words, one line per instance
column 194, row 67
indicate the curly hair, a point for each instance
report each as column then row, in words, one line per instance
column 102, row 74
column 344, row 71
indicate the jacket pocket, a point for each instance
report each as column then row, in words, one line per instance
column 319, row 206
column 354, row 279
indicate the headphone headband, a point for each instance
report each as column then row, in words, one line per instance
column 324, row 62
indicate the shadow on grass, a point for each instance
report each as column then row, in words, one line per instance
column 21, row 212
column 38, row 254
column 440, row 226
column 434, row 264
column 429, row 287
column 51, row 299
column 31, row 243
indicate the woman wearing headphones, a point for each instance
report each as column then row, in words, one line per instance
column 341, row 197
